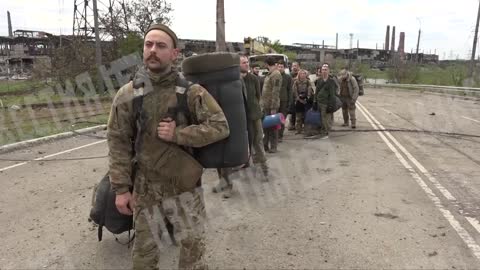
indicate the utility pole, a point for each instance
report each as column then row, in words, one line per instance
column 350, row 52
column 221, row 45
column 358, row 49
column 98, row 48
column 418, row 45
column 474, row 48
column 336, row 43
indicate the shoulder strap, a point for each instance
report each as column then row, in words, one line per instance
column 182, row 101
column 137, row 116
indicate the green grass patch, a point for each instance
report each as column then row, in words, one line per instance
column 375, row 74
column 11, row 86
column 26, row 130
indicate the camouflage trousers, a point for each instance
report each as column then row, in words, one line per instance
column 185, row 215
column 348, row 110
column 326, row 118
column 255, row 126
column 284, row 110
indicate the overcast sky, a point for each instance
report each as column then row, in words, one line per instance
column 447, row 26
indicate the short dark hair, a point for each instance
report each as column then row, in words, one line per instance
column 270, row 61
column 281, row 62
column 255, row 65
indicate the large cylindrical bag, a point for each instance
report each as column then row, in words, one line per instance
column 219, row 73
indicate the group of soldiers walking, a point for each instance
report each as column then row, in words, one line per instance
column 293, row 94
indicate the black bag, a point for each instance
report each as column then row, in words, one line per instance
column 331, row 108
column 104, row 212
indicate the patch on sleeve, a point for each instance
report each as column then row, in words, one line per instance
column 180, row 90
column 277, row 83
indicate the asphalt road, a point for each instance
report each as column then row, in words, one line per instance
column 363, row 199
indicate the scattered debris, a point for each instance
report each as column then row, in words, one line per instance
column 432, row 113
column 387, row 215
column 15, row 107
column 432, row 254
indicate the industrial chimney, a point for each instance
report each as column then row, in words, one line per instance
column 387, row 38
column 393, row 40
column 10, row 32
column 401, row 43
column 401, row 46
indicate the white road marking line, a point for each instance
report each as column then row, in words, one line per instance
column 417, row 164
column 466, row 237
column 474, row 222
column 52, row 155
column 471, row 119
column 13, row 166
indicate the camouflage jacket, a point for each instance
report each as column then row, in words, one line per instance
column 286, row 90
column 271, row 91
column 252, row 84
column 208, row 125
column 302, row 88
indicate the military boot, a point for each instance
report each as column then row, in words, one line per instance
column 222, row 185
column 228, row 191
column 264, row 168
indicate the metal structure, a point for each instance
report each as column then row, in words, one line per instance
column 84, row 17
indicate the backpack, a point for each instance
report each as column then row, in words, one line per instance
column 104, row 212
column 359, row 80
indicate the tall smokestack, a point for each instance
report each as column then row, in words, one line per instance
column 10, row 32
column 387, row 38
column 401, row 45
column 393, row 40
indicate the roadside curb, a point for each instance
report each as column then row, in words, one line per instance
column 33, row 142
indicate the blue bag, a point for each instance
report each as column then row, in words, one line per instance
column 313, row 118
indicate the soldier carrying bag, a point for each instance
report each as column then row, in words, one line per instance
column 104, row 212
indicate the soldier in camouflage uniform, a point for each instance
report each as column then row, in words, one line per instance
column 270, row 102
column 349, row 92
column 285, row 94
column 254, row 116
column 166, row 186
column 294, row 75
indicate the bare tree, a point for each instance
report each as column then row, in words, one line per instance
column 135, row 16
column 146, row 13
